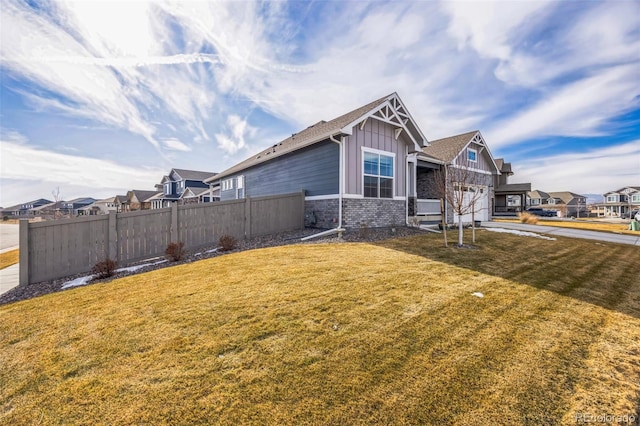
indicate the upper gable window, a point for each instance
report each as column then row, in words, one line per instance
column 472, row 155
column 378, row 174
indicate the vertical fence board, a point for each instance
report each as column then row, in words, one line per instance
column 65, row 247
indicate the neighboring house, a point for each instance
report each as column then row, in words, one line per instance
column 73, row 207
column 619, row 203
column 354, row 169
column 25, row 210
column 510, row 198
column 138, row 200
column 183, row 186
column 565, row 203
column 105, row 206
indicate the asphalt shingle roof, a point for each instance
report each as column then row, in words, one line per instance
column 309, row 136
column 194, row 174
column 448, row 148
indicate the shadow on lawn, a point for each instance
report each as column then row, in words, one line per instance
column 602, row 274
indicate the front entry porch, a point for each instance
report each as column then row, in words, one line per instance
column 510, row 199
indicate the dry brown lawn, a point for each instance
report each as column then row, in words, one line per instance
column 9, row 258
column 348, row 333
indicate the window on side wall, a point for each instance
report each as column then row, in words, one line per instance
column 472, row 155
column 378, row 174
column 240, row 187
column 635, row 198
column 227, row 184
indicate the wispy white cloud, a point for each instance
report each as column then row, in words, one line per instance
column 89, row 91
column 64, row 169
column 578, row 109
column 175, row 145
column 234, row 140
column 182, row 71
column 594, row 171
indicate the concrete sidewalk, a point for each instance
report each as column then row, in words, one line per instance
column 568, row 232
column 9, row 277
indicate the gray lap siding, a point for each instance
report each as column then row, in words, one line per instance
column 314, row 169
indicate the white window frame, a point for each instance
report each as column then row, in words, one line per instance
column 227, row 185
column 635, row 198
column 240, row 187
column 475, row 155
column 612, row 198
column 378, row 152
column 535, row 201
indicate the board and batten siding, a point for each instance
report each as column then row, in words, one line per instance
column 314, row 169
column 380, row 136
column 484, row 161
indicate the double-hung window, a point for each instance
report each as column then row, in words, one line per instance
column 378, row 175
column 227, row 184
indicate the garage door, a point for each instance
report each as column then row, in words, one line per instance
column 481, row 205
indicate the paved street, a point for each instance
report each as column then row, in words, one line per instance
column 568, row 232
column 8, row 236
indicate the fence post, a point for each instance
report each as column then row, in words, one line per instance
column 112, row 251
column 174, row 223
column 247, row 217
column 23, row 246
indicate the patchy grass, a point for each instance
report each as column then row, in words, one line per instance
column 618, row 228
column 346, row 333
column 9, row 258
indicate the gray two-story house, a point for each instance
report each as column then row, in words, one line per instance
column 183, row 187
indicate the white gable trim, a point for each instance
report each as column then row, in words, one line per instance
column 393, row 112
column 479, row 140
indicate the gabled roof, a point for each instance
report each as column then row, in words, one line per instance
column 447, row 149
column 142, row 196
column 192, row 191
column 538, row 194
column 81, row 200
column 621, row 190
column 342, row 125
column 193, row 174
column 565, row 196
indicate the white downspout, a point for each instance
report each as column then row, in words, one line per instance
column 341, row 176
column 339, row 229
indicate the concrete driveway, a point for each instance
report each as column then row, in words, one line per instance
column 568, row 232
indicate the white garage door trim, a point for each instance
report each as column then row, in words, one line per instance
column 482, row 211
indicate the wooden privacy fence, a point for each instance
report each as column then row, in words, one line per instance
column 56, row 249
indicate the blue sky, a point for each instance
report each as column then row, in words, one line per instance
column 101, row 97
